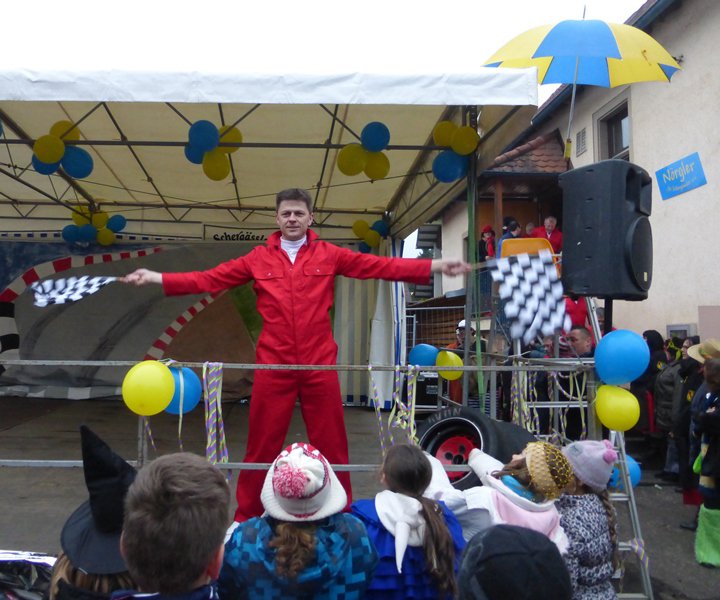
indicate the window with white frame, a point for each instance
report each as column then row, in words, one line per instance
column 613, row 131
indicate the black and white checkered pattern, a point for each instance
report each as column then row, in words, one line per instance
column 532, row 295
column 60, row 291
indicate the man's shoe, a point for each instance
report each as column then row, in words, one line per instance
column 690, row 526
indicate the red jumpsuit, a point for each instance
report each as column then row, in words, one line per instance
column 294, row 301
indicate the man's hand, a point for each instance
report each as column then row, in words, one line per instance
column 142, row 277
column 449, row 267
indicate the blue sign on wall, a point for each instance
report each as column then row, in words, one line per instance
column 681, row 176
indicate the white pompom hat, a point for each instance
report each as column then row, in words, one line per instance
column 301, row 486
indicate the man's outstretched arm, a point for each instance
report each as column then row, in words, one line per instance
column 142, row 277
column 450, row 267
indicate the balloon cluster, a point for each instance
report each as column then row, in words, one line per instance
column 368, row 156
column 620, row 357
column 203, row 148
column 452, row 164
column 426, row 355
column 93, row 226
column 151, row 387
column 370, row 235
column 51, row 152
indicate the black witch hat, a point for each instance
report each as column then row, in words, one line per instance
column 91, row 536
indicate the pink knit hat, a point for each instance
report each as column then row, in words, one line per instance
column 592, row 462
column 301, row 486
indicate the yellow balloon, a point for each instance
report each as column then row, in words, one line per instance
column 65, row 130
column 105, row 237
column 49, row 149
column 372, row 238
column 443, row 132
column 351, row 159
column 148, row 388
column 449, row 359
column 216, row 165
column 230, row 135
column 377, row 165
column 81, row 215
column 464, row 140
column 360, row 228
column 616, row 408
column 99, row 219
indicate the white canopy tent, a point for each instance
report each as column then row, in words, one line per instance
column 295, row 114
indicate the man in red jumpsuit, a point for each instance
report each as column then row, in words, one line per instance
column 294, row 279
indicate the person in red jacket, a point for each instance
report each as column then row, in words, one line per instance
column 550, row 232
column 294, row 276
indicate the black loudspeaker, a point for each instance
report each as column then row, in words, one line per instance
column 607, row 239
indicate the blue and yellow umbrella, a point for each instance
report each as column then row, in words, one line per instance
column 588, row 52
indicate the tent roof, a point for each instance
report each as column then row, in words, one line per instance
column 134, row 122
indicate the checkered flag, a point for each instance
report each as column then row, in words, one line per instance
column 532, row 295
column 60, row 291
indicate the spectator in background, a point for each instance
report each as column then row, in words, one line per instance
column 550, row 232
column 581, row 342
column 90, row 565
column 455, row 386
column 513, row 231
column 529, row 228
column 486, row 244
column 176, row 516
column 508, row 562
column 644, row 386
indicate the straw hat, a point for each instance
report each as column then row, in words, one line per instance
column 707, row 349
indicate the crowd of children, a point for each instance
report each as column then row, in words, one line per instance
column 538, row 527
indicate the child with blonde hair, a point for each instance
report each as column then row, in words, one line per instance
column 589, row 520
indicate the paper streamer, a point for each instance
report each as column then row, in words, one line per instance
column 216, row 448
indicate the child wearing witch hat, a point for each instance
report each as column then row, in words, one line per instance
column 90, row 566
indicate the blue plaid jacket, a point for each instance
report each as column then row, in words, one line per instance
column 342, row 569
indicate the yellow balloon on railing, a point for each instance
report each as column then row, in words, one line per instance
column 148, row 388
column 449, row 359
column 99, row 219
column 81, row 215
column 105, row 237
column 617, row 408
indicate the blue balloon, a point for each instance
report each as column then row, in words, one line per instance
column 621, row 356
column 194, row 155
column 187, row 387
column 87, row 233
column 381, row 227
column 116, row 223
column 634, row 472
column 44, row 168
column 423, row 355
column 71, row 233
column 364, row 248
column 203, row 136
column 449, row 166
column 77, row 162
column 375, row 136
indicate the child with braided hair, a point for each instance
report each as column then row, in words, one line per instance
column 589, row 520
column 419, row 541
column 521, row 492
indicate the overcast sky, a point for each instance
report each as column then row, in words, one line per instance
column 277, row 35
